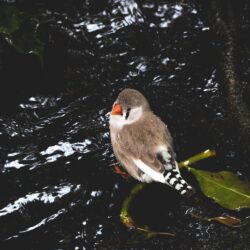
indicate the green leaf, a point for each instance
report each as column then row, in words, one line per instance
column 224, row 187
column 10, row 19
column 25, row 39
column 20, row 30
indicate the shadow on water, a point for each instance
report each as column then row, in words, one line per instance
column 58, row 190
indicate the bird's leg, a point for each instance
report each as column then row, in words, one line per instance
column 123, row 174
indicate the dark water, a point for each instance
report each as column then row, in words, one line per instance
column 58, row 190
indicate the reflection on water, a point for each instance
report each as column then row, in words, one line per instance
column 65, row 149
column 58, row 188
column 43, row 197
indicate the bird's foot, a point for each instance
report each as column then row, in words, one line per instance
column 122, row 173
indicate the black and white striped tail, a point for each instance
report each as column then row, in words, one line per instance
column 174, row 179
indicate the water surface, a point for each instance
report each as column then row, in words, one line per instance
column 58, row 190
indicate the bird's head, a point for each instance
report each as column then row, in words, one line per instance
column 128, row 108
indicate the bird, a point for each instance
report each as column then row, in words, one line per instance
column 143, row 144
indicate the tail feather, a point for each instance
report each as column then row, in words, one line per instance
column 174, row 180
column 172, row 174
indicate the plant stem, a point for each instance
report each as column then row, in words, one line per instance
column 201, row 156
column 125, row 216
column 127, row 219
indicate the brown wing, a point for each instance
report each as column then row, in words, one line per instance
column 142, row 139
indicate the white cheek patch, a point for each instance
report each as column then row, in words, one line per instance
column 135, row 114
column 119, row 121
column 156, row 176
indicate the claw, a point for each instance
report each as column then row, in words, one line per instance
column 120, row 172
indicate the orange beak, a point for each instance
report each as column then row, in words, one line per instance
column 117, row 109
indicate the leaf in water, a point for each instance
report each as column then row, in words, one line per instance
column 10, row 19
column 226, row 188
column 150, row 233
column 227, row 220
column 20, row 30
column 25, row 39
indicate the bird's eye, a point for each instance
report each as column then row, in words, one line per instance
column 127, row 113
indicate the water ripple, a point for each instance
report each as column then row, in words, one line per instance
column 49, row 195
